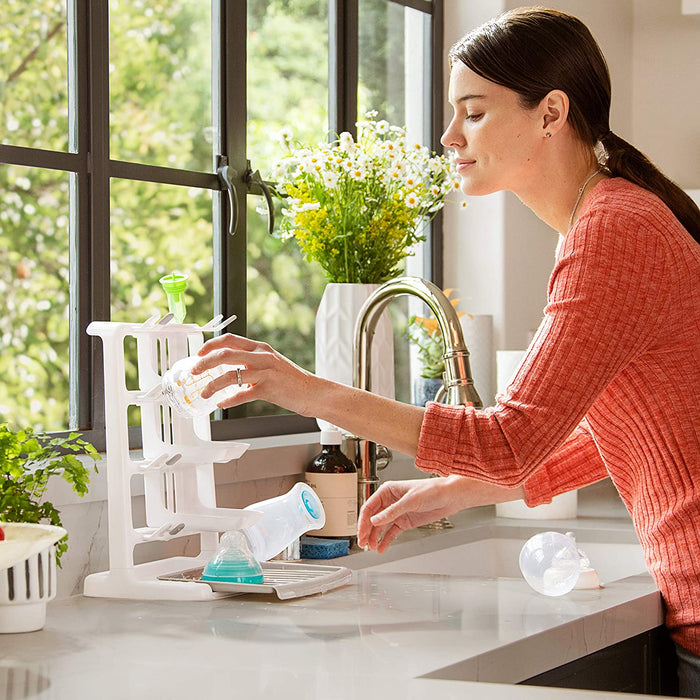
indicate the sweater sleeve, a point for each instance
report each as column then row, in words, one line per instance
column 605, row 292
column 575, row 464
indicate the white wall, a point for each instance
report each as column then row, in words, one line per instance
column 666, row 95
column 497, row 253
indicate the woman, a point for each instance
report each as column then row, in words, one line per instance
column 609, row 385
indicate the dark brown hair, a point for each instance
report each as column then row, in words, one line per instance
column 533, row 51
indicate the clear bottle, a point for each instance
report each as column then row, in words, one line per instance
column 182, row 389
column 333, row 476
column 284, row 519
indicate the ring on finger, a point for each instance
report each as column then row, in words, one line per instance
column 238, row 376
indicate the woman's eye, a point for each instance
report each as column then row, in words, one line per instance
column 474, row 117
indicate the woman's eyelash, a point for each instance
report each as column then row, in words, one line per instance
column 474, row 117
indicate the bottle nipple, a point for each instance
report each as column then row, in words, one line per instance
column 233, row 561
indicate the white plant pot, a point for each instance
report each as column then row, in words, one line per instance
column 335, row 328
column 562, row 507
column 27, row 575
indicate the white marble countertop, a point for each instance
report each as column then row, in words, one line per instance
column 384, row 635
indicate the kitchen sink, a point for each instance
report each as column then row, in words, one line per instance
column 497, row 557
column 491, row 550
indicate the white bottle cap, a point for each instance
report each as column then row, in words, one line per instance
column 331, row 437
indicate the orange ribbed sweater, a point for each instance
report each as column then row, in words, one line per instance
column 610, row 386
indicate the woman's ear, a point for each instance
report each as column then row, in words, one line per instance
column 554, row 109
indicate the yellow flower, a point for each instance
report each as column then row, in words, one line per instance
column 425, row 334
column 430, row 324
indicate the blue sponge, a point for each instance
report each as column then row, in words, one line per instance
column 321, row 548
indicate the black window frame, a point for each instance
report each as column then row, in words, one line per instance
column 91, row 169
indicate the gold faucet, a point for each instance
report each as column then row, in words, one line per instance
column 458, row 385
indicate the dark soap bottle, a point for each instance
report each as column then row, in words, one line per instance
column 333, row 476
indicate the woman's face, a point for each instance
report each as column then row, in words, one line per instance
column 497, row 142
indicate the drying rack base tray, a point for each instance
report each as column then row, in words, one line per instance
column 285, row 579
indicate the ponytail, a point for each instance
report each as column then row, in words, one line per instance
column 624, row 160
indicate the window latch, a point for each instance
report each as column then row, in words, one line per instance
column 256, row 185
column 227, row 174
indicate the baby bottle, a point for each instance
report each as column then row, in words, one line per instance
column 182, row 389
column 284, row 519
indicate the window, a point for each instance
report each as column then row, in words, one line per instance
column 115, row 120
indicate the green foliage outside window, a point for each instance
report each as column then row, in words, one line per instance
column 160, row 102
column 33, row 217
column 160, row 97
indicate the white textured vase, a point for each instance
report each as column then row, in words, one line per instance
column 335, row 328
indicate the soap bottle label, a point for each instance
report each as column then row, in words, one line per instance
column 338, row 493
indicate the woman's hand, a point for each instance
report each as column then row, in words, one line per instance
column 402, row 505
column 266, row 375
column 269, row 376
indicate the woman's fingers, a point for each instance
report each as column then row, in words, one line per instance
column 381, row 499
column 387, row 538
column 406, row 504
column 228, row 379
column 399, row 506
column 244, row 396
column 229, row 340
column 251, row 357
column 266, row 375
column 385, row 515
column 232, row 353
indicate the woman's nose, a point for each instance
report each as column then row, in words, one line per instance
column 451, row 136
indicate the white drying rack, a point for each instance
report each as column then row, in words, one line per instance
column 177, row 467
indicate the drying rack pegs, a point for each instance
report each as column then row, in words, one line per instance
column 160, row 462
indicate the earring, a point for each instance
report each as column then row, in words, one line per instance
column 548, row 135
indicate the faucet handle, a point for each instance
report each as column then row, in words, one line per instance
column 384, row 456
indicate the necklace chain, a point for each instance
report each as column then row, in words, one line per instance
column 580, row 194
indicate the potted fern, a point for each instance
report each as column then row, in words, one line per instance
column 32, row 540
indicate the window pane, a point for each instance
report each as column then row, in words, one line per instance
column 394, row 81
column 157, row 229
column 394, row 64
column 34, row 297
column 160, row 83
column 287, row 88
column 33, row 74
